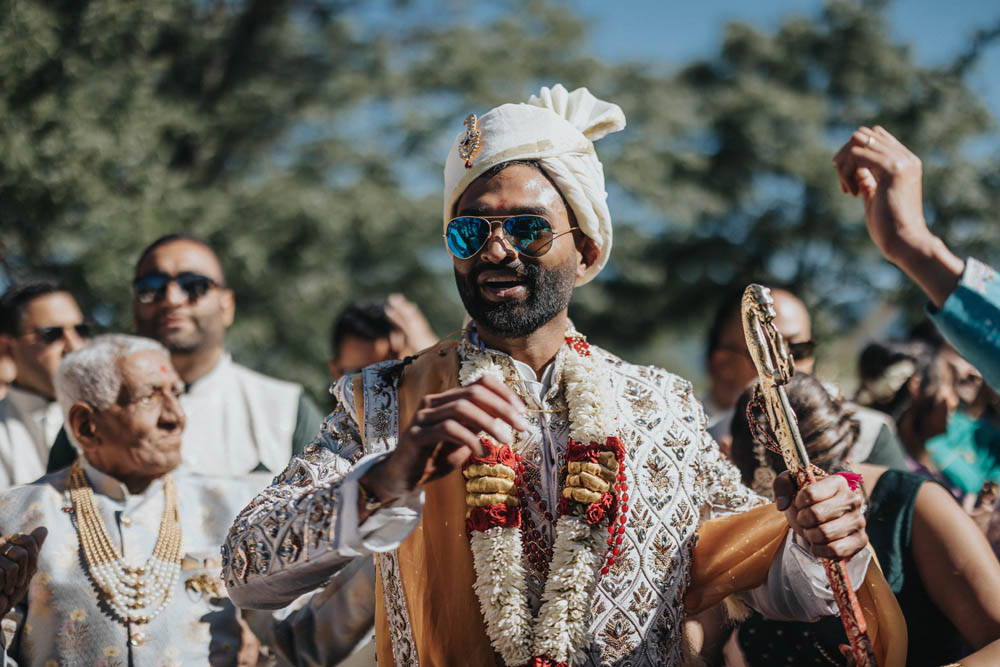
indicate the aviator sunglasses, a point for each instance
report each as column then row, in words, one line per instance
column 153, row 286
column 530, row 235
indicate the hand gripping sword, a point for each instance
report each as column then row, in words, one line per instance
column 774, row 365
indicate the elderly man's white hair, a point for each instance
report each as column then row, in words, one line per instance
column 92, row 375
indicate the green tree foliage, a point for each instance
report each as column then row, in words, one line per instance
column 305, row 140
column 730, row 161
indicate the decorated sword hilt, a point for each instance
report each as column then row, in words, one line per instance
column 775, row 367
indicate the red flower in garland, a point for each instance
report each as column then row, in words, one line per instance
column 494, row 455
column 476, row 522
column 576, row 451
column 542, row 661
column 597, row 511
column 615, row 445
column 483, row 518
column 500, row 515
column 579, row 345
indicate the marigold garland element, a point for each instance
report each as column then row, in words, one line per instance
column 593, row 501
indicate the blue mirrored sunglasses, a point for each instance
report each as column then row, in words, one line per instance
column 530, row 235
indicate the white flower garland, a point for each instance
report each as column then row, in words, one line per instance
column 560, row 631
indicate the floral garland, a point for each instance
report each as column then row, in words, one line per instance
column 594, row 485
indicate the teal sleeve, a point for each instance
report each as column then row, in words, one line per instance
column 308, row 420
column 970, row 319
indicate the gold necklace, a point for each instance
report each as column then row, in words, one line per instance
column 136, row 595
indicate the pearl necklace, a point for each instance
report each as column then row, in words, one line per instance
column 136, row 595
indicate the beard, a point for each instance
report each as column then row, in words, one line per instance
column 200, row 335
column 548, row 294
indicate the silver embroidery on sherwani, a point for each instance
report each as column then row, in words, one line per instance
column 381, row 435
column 677, row 478
column 293, row 519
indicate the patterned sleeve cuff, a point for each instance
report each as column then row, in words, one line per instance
column 386, row 528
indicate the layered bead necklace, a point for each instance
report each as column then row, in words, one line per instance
column 138, row 594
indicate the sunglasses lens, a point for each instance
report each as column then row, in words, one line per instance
column 150, row 287
column 466, row 236
column 49, row 335
column 530, row 234
column 194, row 284
column 803, row 350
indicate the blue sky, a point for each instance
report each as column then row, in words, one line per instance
column 675, row 32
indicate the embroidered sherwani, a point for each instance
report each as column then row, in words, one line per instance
column 61, row 620
column 304, row 526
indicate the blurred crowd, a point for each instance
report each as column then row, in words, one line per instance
column 921, row 435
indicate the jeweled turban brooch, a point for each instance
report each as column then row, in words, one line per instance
column 469, row 145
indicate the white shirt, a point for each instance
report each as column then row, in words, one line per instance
column 29, row 424
column 238, row 419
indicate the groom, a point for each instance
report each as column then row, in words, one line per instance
column 524, row 439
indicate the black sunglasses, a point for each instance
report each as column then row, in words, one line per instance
column 49, row 335
column 802, row 350
column 530, row 235
column 153, row 286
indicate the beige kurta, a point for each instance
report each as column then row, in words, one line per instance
column 62, row 621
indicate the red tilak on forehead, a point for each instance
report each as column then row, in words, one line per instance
column 163, row 368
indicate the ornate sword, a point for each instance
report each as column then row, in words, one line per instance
column 774, row 366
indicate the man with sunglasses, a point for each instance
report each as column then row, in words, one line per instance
column 728, row 361
column 238, row 420
column 40, row 323
column 466, row 554
column 730, row 369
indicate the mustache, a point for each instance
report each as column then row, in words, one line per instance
column 517, row 267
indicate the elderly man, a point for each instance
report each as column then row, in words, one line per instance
column 528, row 495
column 129, row 572
column 238, row 420
column 40, row 323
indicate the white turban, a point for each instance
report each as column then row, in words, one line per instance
column 557, row 129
